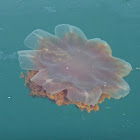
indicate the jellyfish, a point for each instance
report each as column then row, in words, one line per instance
column 68, row 68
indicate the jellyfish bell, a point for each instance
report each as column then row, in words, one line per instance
column 69, row 61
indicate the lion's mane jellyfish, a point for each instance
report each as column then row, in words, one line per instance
column 68, row 68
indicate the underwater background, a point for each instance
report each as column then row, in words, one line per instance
column 23, row 117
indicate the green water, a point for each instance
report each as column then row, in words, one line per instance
column 23, row 117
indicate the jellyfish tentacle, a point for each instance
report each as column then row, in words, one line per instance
column 30, row 59
column 54, row 87
column 94, row 95
column 54, row 84
column 49, row 82
column 40, row 77
column 113, row 84
column 115, row 65
column 82, row 96
column 39, row 39
column 99, row 47
column 70, row 34
column 101, row 52
column 123, row 68
column 117, row 93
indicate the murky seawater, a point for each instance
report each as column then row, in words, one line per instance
column 24, row 117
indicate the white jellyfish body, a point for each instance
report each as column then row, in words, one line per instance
column 68, row 60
